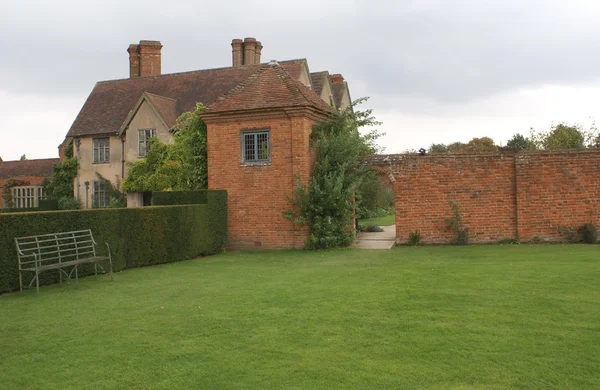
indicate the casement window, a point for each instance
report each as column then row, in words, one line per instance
column 25, row 197
column 256, row 147
column 100, row 194
column 101, row 150
column 144, row 137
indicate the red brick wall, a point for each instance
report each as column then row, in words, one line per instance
column 499, row 196
column 482, row 187
column 257, row 194
column 557, row 189
column 33, row 181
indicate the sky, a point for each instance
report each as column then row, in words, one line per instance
column 435, row 71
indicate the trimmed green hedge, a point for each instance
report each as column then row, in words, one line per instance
column 217, row 209
column 137, row 236
column 164, row 198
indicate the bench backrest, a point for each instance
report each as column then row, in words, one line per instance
column 55, row 247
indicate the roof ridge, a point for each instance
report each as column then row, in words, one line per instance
column 197, row 70
column 160, row 96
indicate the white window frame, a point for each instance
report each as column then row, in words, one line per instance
column 143, row 140
column 250, row 150
column 100, row 150
column 25, row 197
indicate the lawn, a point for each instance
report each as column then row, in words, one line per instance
column 381, row 221
column 425, row 317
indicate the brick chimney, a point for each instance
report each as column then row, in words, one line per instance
column 336, row 78
column 249, row 51
column 134, row 60
column 145, row 59
column 257, row 52
column 246, row 52
column 237, row 52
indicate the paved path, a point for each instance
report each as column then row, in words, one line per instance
column 380, row 240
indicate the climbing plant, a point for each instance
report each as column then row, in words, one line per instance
column 327, row 201
column 182, row 165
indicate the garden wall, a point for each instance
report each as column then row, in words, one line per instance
column 499, row 196
column 137, row 236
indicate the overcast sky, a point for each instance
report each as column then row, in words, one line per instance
column 435, row 70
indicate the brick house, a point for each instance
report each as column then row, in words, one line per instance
column 28, row 176
column 259, row 118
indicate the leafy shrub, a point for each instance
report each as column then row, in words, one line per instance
column 373, row 228
column 588, row 233
column 68, row 203
column 537, row 240
column 569, row 234
column 509, row 241
column 414, row 238
column 454, row 223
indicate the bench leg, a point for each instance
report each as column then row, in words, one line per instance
column 95, row 271
column 37, row 281
column 20, row 281
column 76, row 276
column 60, row 274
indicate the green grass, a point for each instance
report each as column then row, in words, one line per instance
column 381, row 221
column 413, row 317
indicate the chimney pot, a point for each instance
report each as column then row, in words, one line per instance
column 337, row 78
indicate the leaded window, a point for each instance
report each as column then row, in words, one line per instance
column 101, row 194
column 101, row 150
column 144, row 137
column 256, row 147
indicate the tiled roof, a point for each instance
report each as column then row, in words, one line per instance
column 110, row 102
column 166, row 107
column 318, row 80
column 40, row 167
column 270, row 87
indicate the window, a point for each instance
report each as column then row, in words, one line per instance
column 144, row 136
column 101, row 194
column 27, row 196
column 101, row 148
column 256, row 147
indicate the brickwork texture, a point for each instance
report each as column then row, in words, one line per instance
column 520, row 196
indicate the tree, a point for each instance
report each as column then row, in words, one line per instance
column 564, row 137
column 326, row 203
column 437, row 149
column 182, row 165
column 519, row 142
column 23, row 157
column 481, row 145
column 59, row 185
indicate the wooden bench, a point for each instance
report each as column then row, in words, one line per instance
column 59, row 251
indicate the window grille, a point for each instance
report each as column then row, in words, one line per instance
column 25, row 197
column 256, row 147
column 101, row 194
column 144, row 137
column 101, row 148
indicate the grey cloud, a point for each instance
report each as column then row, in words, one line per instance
column 443, row 51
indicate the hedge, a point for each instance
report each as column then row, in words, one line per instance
column 217, row 209
column 164, row 198
column 137, row 236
